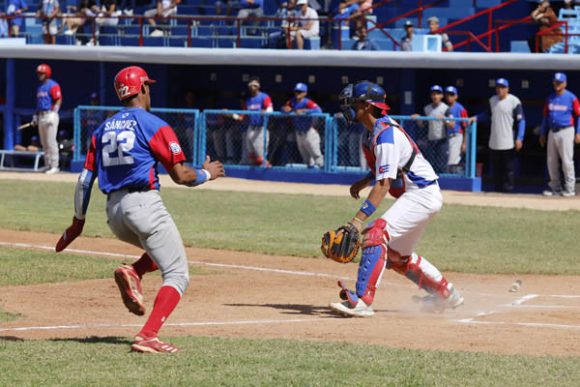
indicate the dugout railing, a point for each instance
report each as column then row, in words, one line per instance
column 290, row 142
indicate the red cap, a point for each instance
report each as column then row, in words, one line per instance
column 44, row 69
column 128, row 81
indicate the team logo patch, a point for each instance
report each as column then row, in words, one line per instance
column 384, row 168
column 174, row 147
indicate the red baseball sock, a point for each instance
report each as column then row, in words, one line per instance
column 144, row 265
column 165, row 302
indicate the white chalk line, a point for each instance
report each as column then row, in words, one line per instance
column 524, row 324
column 183, row 324
column 220, row 265
column 524, row 299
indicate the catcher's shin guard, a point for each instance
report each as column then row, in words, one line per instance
column 423, row 273
column 372, row 264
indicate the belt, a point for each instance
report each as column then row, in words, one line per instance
column 555, row 130
column 129, row 190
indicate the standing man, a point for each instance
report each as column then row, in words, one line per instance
column 455, row 130
column 505, row 110
column 437, row 152
column 433, row 22
column 558, row 123
column 307, row 138
column 255, row 139
column 124, row 154
column 407, row 41
column 390, row 241
column 47, row 13
column 48, row 103
column 15, row 9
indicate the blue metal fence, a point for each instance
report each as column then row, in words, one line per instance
column 317, row 143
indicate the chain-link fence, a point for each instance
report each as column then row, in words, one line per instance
column 184, row 122
column 254, row 138
column 316, row 141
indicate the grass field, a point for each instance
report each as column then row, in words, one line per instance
column 461, row 238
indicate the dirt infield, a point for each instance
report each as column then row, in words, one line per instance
column 257, row 296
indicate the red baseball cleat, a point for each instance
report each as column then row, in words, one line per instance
column 129, row 285
column 153, row 345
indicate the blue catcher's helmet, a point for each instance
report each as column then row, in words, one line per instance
column 362, row 91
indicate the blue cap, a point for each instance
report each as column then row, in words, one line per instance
column 502, row 82
column 302, row 87
column 451, row 90
column 436, row 88
column 560, row 77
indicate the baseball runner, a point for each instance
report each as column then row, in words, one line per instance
column 307, row 138
column 124, row 154
column 253, row 140
column 388, row 242
column 48, row 103
column 455, row 130
column 558, row 124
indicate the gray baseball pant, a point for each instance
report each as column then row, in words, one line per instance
column 47, row 129
column 561, row 148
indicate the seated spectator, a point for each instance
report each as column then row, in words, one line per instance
column 434, row 27
column 251, row 8
column 47, row 13
column 407, row 41
column 546, row 18
column 16, row 8
column 108, row 14
column 355, row 10
column 364, row 43
column 88, row 10
column 164, row 9
column 279, row 39
column 307, row 24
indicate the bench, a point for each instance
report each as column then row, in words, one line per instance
column 11, row 154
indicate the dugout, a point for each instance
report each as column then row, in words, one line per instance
column 217, row 79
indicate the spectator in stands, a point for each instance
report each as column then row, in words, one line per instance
column 354, row 10
column 308, row 25
column 546, row 19
column 307, row 137
column 16, row 8
column 251, row 8
column 437, row 147
column 505, row 110
column 558, row 125
column 279, row 39
column 3, row 28
column 164, row 9
column 108, row 15
column 256, row 136
column 433, row 22
column 455, row 130
column 88, row 10
column 47, row 15
column 364, row 43
column 407, row 41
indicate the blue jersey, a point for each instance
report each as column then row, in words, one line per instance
column 49, row 6
column 261, row 101
column 303, row 124
column 457, row 111
column 127, row 147
column 559, row 112
column 47, row 94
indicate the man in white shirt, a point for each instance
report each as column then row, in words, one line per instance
column 307, row 24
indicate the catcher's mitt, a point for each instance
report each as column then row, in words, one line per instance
column 342, row 244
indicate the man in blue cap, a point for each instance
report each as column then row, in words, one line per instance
column 455, row 130
column 505, row 110
column 307, row 137
column 558, row 125
column 437, row 151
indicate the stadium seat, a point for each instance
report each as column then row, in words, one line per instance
column 519, row 46
column 108, row 40
column 312, row 43
column 201, row 42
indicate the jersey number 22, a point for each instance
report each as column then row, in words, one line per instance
column 117, row 148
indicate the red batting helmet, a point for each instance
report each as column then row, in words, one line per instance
column 128, row 81
column 44, row 69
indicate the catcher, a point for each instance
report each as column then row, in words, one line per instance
column 389, row 241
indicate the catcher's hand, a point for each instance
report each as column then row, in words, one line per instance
column 341, row 245
column 70, row 234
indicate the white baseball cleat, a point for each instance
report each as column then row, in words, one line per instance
column 433, row 303
column 568, row 194
column 52, row 171
column 549, row 192
column 347, row 310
